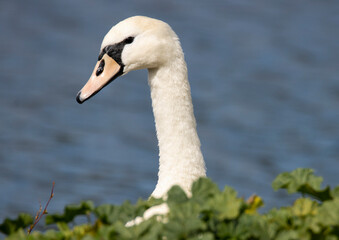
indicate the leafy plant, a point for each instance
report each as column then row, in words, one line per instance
column 208, row 214
column 9, row 226
column 303, row 180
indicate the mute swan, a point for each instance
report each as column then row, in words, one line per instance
column 141, row 42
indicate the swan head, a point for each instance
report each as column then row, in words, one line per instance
column 134, row 43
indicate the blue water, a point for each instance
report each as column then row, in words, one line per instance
column 265, row 86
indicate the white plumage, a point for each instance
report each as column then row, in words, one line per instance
column 156, row 47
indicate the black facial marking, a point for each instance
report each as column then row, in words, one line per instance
column 115, row 50
column 102, row 53
column 100, row 67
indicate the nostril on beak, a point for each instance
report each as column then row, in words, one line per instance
column 78, row 98
column 100, row 67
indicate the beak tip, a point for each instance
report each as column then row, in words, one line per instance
column 78, row 98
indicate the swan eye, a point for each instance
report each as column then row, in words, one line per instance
column 100, row 67
column 129, row 40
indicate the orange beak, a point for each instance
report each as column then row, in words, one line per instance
column 105, row 71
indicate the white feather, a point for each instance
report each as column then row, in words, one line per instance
column 157, row 48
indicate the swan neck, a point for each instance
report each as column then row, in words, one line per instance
column 180, row 158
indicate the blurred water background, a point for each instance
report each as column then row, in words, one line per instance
column 265, row 86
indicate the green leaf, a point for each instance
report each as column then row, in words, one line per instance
column 332, row 237
column 156, row 232
column 335, row 192
column 106, row 232
column 18, row 235
column 226, row 230
column 226, row 204
column 203, row 189
column 9, row 226
column 304, row 206
column 50, row 234
column 123, row 232
column 183, row 220
column 148, row 229
column 71, row 211
column 288, row 235
column 302, row 180
column 176, row 195
column 150, row 202
column 279, row 218
column 202, row 236
column 106, row 213
column 63, row 227
column 256, row 227
column 109, row 214
column 208, row 214
column 293, row 180
column 329, row 213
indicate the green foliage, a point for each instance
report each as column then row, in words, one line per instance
column 70, row 212
column 303, row 180
column 9, row 226
column 207, row 215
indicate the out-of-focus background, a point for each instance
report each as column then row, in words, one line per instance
column 265, row 86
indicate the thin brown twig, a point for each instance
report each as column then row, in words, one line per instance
column 39, row 214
